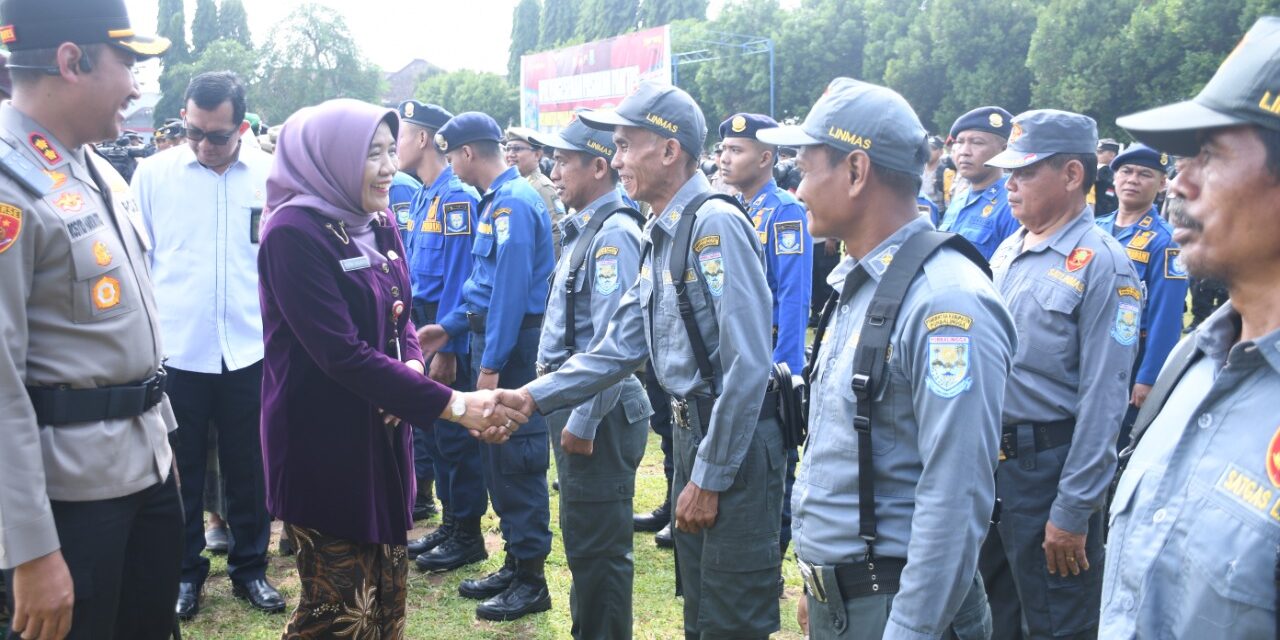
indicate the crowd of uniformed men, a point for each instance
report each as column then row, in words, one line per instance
column 1005, row 319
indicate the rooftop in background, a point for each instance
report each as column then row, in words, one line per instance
column 401, row 84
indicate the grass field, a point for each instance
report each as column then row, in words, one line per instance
column 436, row 610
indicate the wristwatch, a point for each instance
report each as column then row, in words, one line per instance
column 458, row 408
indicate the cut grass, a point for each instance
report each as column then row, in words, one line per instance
column 437, row 611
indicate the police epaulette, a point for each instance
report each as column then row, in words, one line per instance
column 23, row 171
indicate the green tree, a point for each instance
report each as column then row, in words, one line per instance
column 655, row 13
column 982, row 46
column 600, row 19
column 559, row 23
column 735, row 82
column 466, row 90
column 233, row 22
column 524, row 36
column 171, row 23
column 1071, row 55
column 818, row 41
column 912, row 70
column 221, row 55
column 204, row 27
column 311, row 57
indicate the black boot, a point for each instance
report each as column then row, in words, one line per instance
column 433, row 539
column 527, row 594
column 492, row 584
column 424, row 505
column 664, row 538
column 658, row 518
column 463, row 547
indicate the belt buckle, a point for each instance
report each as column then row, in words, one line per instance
column 155, row 387
column 812, row 576
column 680, row 412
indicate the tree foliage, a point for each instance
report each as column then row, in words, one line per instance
column 171, row 23
column 655, row 13
column 233, row 22
column 204, row 27
column 524, row 35
column 461, row 91
column 559, row 23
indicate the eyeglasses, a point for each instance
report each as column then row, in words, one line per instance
column 514, row 149
column 219, row 139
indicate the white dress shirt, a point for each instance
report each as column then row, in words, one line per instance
column 204, row 256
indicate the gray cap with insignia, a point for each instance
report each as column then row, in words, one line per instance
column 1041, row 133
column 1245, row 90
column 578, row 137
column 661, row 108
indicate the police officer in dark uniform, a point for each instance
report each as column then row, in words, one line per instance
column 1103, row 196
column 90, row 519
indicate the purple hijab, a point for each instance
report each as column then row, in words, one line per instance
column 320, row 156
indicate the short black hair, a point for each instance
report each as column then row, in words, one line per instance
column 587, row 158
column 485, row 148
column 900, row 183
column 212, row 88
column 1087, row 160
column 1270, row 139
column 46, row 58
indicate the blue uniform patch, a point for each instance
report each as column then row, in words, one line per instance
column 949, row 366
column 457, row 218
column 787, row 238
column 401, row 209
column 502, row 226
column 606, row 274
column 1126, row 330
column 1173, row 265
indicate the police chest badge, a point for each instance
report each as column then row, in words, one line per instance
column 457, row 219
column 1125, row 330
column 949, row 365
column 787, row 237
column 10, row 225
column 1079, row 258
column 502, row 225
column 711, row 262
column 606, row 270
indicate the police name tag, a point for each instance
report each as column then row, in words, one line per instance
column 355, row 264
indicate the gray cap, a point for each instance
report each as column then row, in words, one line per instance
column 578, row 137
column 858, row 116
column 1244, row 90
column 1041, row 133
column 661, row 108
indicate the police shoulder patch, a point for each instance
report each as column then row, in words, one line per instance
column 788, row 238
column 10, row 225
column 949, row 366
column 457, row 218
column 502, row 225
column 1129, row 292
column 1125, row 330
column 711, row 263
column 1173, row 265
column 948, row 319
column 606, row 270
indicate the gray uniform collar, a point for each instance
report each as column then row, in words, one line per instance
column 877, row 261
column 1220, row 333
column 1065, row 240
column 580, row 219
column 696, row 185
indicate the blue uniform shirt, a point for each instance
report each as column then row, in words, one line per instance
column 403, row 188
column 783, row 231
column 983, row 218
column 514, row 259
column 440, row 232
column 1154, row 254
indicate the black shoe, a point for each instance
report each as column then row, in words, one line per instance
column 527, row 594
column 492, row 584
column 260, row 594
column 433, row 539
column 216, row 540
column 654, row 520
column 463, row 547
column 188, row 600
column 664, row 538
column 424, row 505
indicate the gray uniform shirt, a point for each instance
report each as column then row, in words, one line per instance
column 1196, row 516
column 1076, row 301
column 935, row 432
column 611, row 267
column 76, row 298
column 732, row 304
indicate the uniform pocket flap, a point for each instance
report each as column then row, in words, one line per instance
column 598, row 488
column 743, row 556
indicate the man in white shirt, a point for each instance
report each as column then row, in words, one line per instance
column 202, row 205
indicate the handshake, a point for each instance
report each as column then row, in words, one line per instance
column 491, row 415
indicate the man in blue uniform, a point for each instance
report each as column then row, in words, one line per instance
column 503, row 302
column 1148, row 239
column 980, row 212
column 746, row 164
column 440, row 230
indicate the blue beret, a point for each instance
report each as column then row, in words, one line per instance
column 1143, row 156
column 990, row 119
column 464, row 128
column 423, row 114
column 745, row 125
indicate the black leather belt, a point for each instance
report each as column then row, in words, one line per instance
column 477, row 321
column 1048, row 435
column 880, row 576
column 702, row 404
column 56, row 406
column 425, row 313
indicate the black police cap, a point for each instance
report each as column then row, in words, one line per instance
column 990, row 119
column 424, row 115
column 44, row 24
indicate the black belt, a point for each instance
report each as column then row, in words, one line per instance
column 477, row 321
column 56, row 406
column 1048, row 435
column 425, row 313
column 880, row 576
column 703, row 404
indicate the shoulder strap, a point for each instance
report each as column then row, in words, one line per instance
column 579, row 259
column 1179, row 361
column 873, row 353
column 677, row 262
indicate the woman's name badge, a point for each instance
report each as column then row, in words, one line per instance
column 355, row 264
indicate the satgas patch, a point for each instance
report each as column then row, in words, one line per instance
column 788, row 238
column 1079, row 259
column 1125, row 330
column 1174, row 268
column 1245, row 489
column 457, row 219
column 949, row 366
column 948, row 319
column 10, row 225
column 1067, row 279
column 711, row 263
column 1129, row 292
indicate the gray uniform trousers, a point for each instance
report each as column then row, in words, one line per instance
column 865, row 618
column 595, row 514
column 736, row 562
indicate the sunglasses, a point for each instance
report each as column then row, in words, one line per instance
column 219, row 139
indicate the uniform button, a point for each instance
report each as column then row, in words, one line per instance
column 844, row 309
column 395, row 291
column 1205, row 420
column 385, row 268
column 1160, row 516
column 1128, row 602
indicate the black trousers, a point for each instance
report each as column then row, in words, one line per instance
column 124, row 555
column 232, row 401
